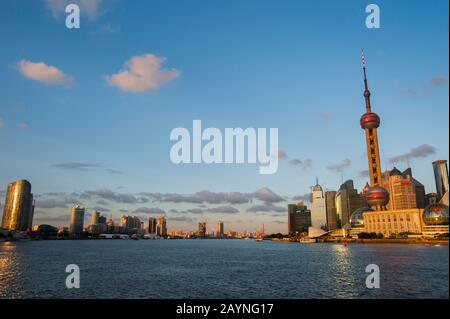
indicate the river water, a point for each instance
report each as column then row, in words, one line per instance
column 221, row 269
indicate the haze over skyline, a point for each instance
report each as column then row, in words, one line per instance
column 85, row 115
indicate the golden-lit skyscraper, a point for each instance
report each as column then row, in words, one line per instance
column 76, row 220
column 18, row 210
column 219, row 229
column 161, row 227
column 95, row 217
column 401, row 188
column 202, row 230
column 441, row 177
column 377, row 196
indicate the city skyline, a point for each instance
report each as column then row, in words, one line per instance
column 84, row 140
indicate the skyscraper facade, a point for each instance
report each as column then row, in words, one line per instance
column 299, row 218
column 161, row 227
column 18, row 210
column 347, row 200
column 419, row 189
column 201, row 230
column 401, row 188
column 441, row 177
column 95, row 217
column 331, row 210
column 318, row 207
column 130, row 221
column 76, row 220
column 152, row 223
column 219, row 229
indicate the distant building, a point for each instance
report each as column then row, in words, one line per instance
column 201, row 230
column 76, row 220
column 401, row 188
column 161, row 227
column 331, row 210
column 318, row 207
column 441, row 178
column 95, row 217
column 347, row 201
column 18, row 210
column 102, row 220
column 152, row 224
column 130, row 222
column 219, row 229
column 299, row 218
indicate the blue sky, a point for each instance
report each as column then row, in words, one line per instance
column 292, row 65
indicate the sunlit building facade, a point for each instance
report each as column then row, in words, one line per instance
column 401, row 188
column 441, row 179
column 201, row 230
column 76, row 220
column 318, row 207
column 161, row 227
column 18, row 210
column 347, row 200
column 219, row 229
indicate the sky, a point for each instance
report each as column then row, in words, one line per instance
column 86, row 114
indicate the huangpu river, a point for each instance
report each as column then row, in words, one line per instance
column 221, row 269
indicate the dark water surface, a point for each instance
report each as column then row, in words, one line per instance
column 221, row 269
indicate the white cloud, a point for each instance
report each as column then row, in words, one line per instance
column 142, row 73
column 23, row 126
column 88, row 8
column 39, row 71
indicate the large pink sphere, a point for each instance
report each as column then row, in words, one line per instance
column 370, row 120
column 377, row 196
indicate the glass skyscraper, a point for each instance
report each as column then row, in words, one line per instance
column 441, row 177
column 76, row 220
column 19, row 207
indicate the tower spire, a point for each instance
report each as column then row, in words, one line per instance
column 366, row 85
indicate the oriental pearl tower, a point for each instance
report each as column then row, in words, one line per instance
column 376, row 195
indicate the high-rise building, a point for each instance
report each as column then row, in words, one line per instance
column 347, row 200
column 441, row 177
column 219, row 229
column 152, row 223
column 18, row 210
column 419, row 189
column 401, row 188
column 76, row 220
column 377, row 197
column 202, row 230
column 331, row 210
column 161, row 227
column 318, row 207
column 299, row 218
column 132, row 222
column 95, row 217
column 102, row 220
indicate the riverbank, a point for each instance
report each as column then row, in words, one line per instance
column 375, row 241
